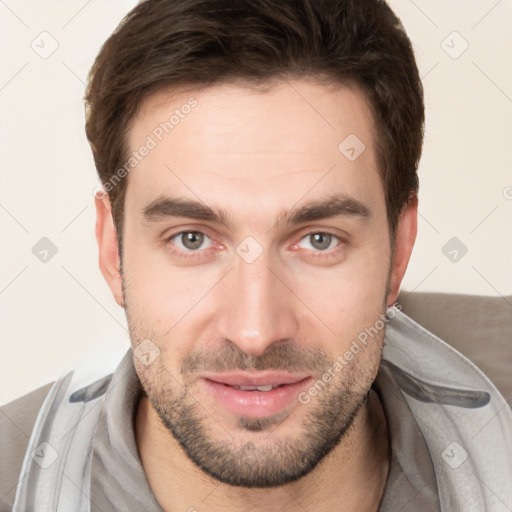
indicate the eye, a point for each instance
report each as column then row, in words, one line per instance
column 191, row 241
column 319, row 241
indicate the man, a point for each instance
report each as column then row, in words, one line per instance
column 259, row 161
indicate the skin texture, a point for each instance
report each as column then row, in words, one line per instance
column 257, row 156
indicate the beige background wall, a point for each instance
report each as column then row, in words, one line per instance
column 56, row 313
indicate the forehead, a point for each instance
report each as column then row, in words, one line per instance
column 254, row 145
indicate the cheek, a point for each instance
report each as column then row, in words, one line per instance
column 351, row 296
column 166, row 304
column 159, row 292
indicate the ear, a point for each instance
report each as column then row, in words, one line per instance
column 106, row 237
column 404, row 242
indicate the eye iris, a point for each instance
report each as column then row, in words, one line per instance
column 320, row 241
column 192, row 239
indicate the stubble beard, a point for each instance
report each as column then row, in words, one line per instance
column 261, row 457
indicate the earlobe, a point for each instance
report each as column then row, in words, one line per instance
column 404, row 243
column 106, row 236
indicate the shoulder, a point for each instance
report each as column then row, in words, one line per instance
column 17, row 420
column 462, row 415
column 479, row 327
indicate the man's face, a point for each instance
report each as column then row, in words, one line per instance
column 255, row 250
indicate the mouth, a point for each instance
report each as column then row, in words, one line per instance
column 255, row 394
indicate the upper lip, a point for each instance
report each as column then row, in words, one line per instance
column 255, row 379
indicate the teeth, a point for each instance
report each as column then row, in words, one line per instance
column 265, row 388
column 255, row 388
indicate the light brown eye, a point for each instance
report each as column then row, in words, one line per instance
column 320, row 241
column 192, row 240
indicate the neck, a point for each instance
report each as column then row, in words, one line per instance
column 351, row 478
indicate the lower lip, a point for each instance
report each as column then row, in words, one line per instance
column 255, row 404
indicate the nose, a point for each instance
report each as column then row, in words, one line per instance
column 257, row 308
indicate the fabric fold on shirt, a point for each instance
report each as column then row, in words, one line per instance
column 118, row 481
column 411, row 483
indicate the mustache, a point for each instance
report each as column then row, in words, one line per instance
column 285, row 356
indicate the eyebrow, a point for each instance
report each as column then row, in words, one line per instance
column 166, row 207
column 335, row 205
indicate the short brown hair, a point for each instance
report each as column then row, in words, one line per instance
column 176, row 43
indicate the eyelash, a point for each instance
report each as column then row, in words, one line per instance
column 314, row 253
